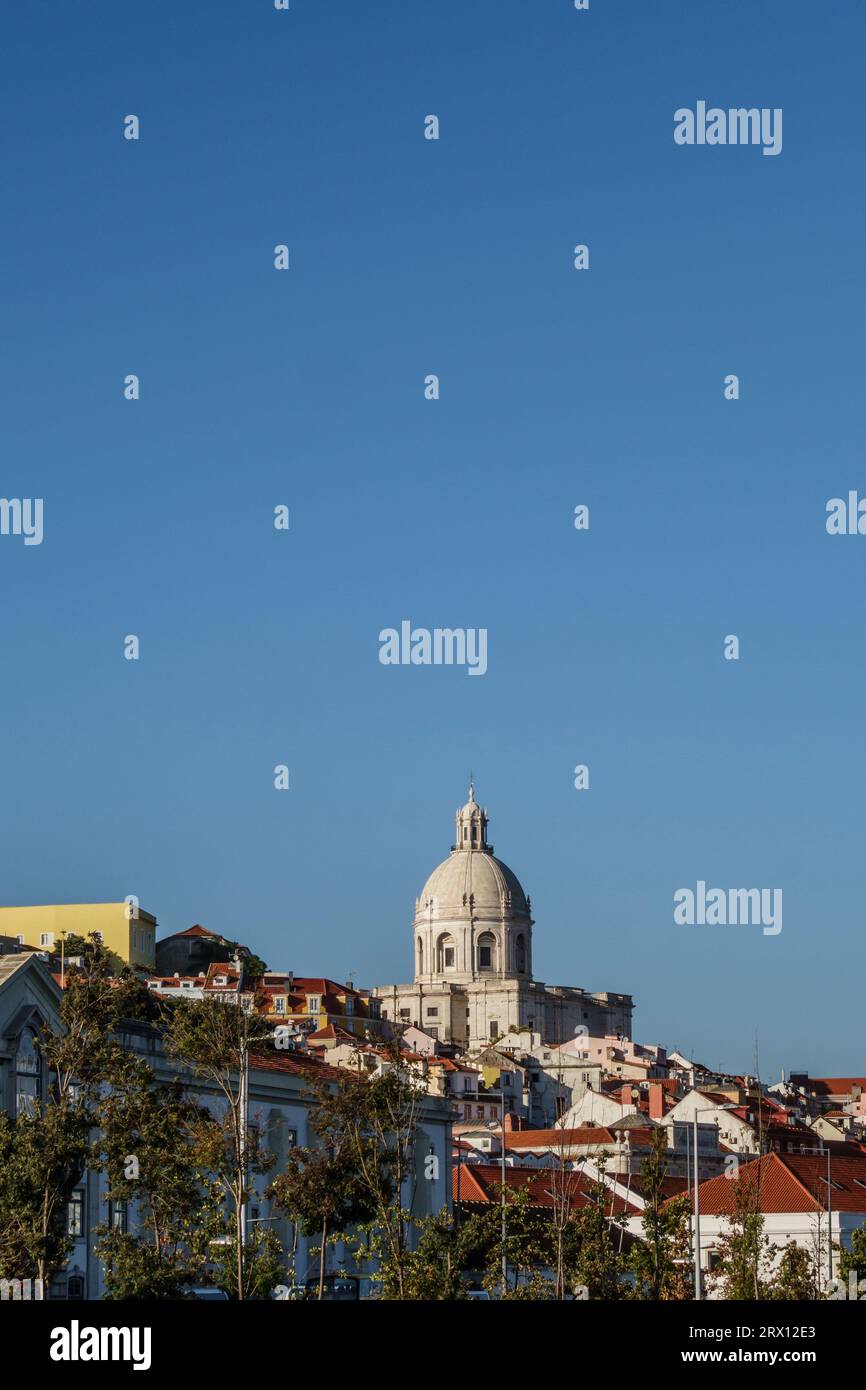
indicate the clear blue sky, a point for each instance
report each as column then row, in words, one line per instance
column 305, row 388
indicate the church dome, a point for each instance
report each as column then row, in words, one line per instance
column 472, row 882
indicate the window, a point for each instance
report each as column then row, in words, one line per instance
column 405, row 1013
column 521, row 959
column 486, row 943
column 432, row 1012
column 117, row 1216
column 494, row 1028
column 75, row 1214
column 75, row 1287
column 314, row 1003
column 46, row 938
column 28, row 1074
column 280, row 1005
column 446, row 952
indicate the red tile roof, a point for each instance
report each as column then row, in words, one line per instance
column 556, row 1139
column 297, row 1064
column 792, row 1183
column 481, row 1182
column 833, row 1085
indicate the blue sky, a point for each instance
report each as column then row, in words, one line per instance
column 557, row 388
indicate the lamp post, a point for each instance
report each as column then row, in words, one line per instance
column 704, row 1110
column 502, row 1173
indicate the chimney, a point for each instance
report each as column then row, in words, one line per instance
column 625, row 1096
column 656, row 1100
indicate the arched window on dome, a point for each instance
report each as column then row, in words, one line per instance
column 521, row 954
column 486, row 951
column 446, row 953
column 420, row 956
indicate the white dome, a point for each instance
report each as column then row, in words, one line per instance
column 472, row 883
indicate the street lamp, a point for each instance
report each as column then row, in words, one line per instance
column 704, row 1110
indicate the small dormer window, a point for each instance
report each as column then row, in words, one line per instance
column 314, row 1003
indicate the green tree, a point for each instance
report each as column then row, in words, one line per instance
column 527, row 1245
column 660, row 1262
column 216, row 1039
column 43, row 1152
column 375, row 1123
column 743, row 1269
column 321, row 1189
column 146, row 1145
column 794, row 1278
column 434, row 1268
column 852, row 1259
column 593, row 1258
column 42, row 1157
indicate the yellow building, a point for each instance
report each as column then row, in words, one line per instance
column 126, row 930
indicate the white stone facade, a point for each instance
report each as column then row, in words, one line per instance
column 472, row 946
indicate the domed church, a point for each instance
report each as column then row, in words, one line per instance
column 472, row 944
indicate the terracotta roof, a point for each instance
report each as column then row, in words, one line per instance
column 671, row 1186
column 481, row 1182
column 195, row 931
column 832, row 1085
column 558, row 1138
column 792, row 1183
column 297, row 1064
column 331, row 1033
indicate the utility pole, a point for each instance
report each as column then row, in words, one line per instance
column 502, row 1171
column 697, row 1214
column 243, row 1107
column 829, row 1219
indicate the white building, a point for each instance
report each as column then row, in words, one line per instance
column 472, row 950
